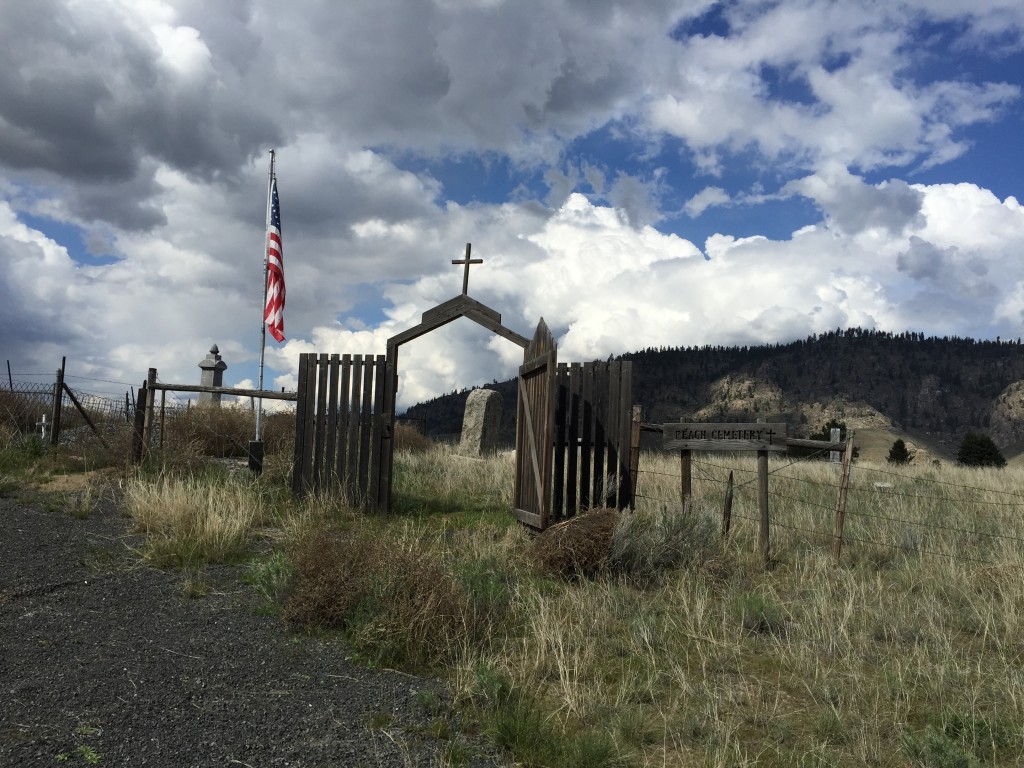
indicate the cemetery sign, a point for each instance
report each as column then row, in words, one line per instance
column 725, row 437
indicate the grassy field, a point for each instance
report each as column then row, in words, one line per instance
column 650, row 640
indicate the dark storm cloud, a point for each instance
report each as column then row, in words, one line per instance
column 54, row 101
column 124, row 204
column 86, row 97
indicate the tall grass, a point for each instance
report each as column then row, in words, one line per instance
column 195, row 520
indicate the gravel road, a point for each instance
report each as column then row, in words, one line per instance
column 104, row 661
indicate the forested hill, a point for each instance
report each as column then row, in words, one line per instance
column 937, row 388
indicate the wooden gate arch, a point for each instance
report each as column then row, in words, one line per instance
column 573, row 445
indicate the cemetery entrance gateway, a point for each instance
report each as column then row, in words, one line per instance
column 572, row 422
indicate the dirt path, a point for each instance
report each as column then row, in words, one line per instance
column 104, row 661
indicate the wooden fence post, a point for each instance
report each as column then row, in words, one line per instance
column 844, row 486
column 163, row 416
column 58, row 396
column 727, row 507
column 149, row 404
column 763, row 539
column 685, row 476
column 139, row 422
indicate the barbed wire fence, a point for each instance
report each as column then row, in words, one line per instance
column 78, row 418
column 29, row 406
column 889, row 514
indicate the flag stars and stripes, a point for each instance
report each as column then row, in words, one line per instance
column 273, row 311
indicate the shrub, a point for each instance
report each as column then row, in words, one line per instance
column 409, row 438
column 331, row 577
column 396, row 601
column 646, row 545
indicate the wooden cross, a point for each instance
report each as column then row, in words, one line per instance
column 467, row 261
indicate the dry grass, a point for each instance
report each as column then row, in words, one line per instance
column 398, row 599
column 906, row 652
column 194, row 520
column 224, row 432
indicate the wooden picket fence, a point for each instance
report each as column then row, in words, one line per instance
column 340, row 427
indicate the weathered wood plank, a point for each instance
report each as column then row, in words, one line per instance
column 612, row 476
column 575, row 384
column 331, row 435
column 365, row 426
column 824, row 445
column 531, row 519
column 304, row 425
column 626, row 473
column 388, row 429
column 353, row 429
column 599, row 475
column 587, row 435
column 264, row 394
column 320, row 422
column 377, row 434
column 344, row 420
column 558, row 482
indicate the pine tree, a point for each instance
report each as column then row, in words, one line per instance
column 978, row 450
column 899, row 454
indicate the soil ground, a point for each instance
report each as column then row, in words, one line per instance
column 107, row 661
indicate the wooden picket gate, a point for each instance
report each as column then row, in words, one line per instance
column 573, row 435
column 340, row 428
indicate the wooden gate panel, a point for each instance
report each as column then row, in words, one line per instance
column 592, row 438
column 339, row 428
column 535, row 425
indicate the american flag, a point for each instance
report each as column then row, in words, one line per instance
column 273, row 311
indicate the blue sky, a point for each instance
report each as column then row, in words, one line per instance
column 659, row 173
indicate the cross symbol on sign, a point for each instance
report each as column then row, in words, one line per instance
column 466, row 261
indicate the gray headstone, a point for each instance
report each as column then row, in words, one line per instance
column 481, row 423
column 213, row 367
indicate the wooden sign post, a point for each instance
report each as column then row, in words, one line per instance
column 758, row 437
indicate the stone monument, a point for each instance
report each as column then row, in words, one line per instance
column 213, row 368
column 481, row 423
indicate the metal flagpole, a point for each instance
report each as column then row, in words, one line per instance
column 263, row 307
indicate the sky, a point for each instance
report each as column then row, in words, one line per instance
column 639, row 173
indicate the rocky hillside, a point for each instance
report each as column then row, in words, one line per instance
column 930, row 391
